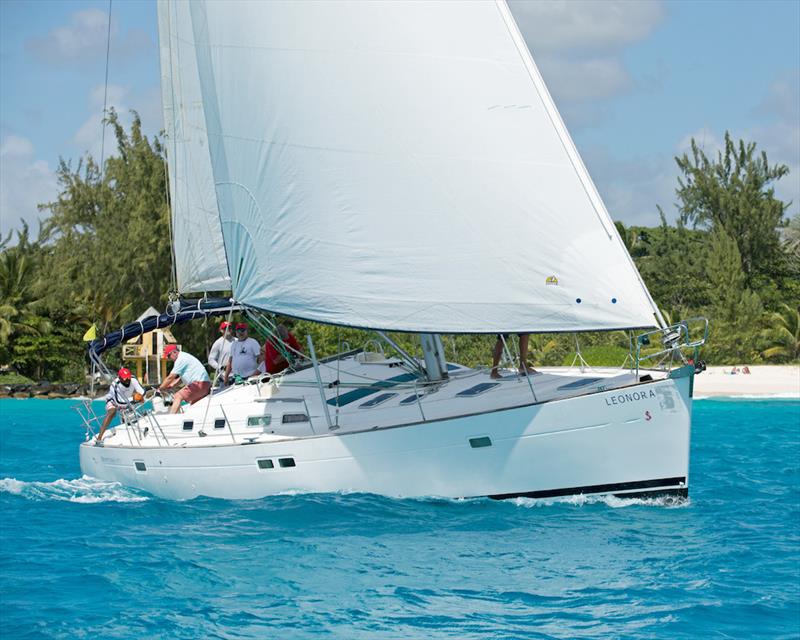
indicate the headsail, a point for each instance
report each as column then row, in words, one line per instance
column 401, row 166
column 199, row 253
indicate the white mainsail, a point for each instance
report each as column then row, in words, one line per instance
column 398, row 166
column 200, row 262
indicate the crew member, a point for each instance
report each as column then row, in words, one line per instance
column 221, row 351
column 276, row 346
column 123, row 392
column 245, row 355
column 191, row 372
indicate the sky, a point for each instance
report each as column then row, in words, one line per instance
column 635, row 81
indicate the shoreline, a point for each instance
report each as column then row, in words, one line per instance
column 780, row 382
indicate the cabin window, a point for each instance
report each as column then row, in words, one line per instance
column 219, row 423
column 286, row 462
column 291, row 418
column 483, row 441
column 477, row 389
column 259, row 421
column 188, row 425
column 412, row 398
column 266, row 464
column 379, row 399
column 140, row 466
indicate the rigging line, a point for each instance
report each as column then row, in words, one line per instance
column 105, row 91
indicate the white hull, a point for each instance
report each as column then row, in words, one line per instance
column 629, row 440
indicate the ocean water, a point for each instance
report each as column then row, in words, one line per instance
column 86, row 559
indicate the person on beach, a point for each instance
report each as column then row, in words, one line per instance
column 191, row 372
column 276, row 346
column 123, row 392
column 245, row 355
column 524, row 368
column 221, row 351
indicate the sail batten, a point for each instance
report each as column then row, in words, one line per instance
column 401, row 166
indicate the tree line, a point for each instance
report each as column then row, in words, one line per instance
column 102, row 256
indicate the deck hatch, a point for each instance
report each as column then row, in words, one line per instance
column 477, row 389
column 483, row 441
column 412, row 398
column 577, row 384
column 379, row 399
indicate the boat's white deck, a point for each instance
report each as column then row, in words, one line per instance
column 369, row 395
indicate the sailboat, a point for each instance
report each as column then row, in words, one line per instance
column 396, row 167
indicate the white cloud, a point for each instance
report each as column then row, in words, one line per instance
column 585, row 25
column 578, row 46
column 85, row 38
column 25, row 182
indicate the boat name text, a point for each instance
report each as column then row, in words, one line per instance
column 634, row 396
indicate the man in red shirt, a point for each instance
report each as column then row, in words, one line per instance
column 276, row 346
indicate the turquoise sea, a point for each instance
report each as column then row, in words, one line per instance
column 86, row 559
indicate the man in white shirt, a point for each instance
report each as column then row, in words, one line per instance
column 122, row 393
column 191, row 372
column 245, row 355
column 221, row 351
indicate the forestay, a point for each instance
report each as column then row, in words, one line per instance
column 401, row 166
column 200, row 263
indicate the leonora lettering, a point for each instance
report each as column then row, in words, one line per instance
column 633, row 396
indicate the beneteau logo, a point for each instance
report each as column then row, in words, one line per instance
column 551, row 280
column 633, row 396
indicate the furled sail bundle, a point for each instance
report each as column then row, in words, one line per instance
column 387, row 165
column 199, row 253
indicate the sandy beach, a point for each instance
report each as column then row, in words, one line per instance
column 778, row 381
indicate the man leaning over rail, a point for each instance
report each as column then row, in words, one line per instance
column 122, row 393
column 191, row 372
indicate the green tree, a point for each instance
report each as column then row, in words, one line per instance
column 735, row 193
column 783, row 334
column 20, row 308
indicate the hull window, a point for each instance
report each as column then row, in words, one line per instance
column 259, row 421
column 290, row 418
column 140, row 466
column 483, row 441
column 286, row 462
column 266, row 464
column 188, row 425
column 219, row 423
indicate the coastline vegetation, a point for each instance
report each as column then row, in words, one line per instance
column 102, row 256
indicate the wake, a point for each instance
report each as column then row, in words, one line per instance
column 84, row 490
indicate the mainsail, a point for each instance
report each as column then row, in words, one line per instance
column 394, row 165
column 199, row 253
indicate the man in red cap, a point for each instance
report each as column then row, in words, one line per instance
column 245, row 355
column 221, row 350
column 189, row 370
column 122, row 393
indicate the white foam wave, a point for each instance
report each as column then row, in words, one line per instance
column 615, row 502
column 84, row 490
